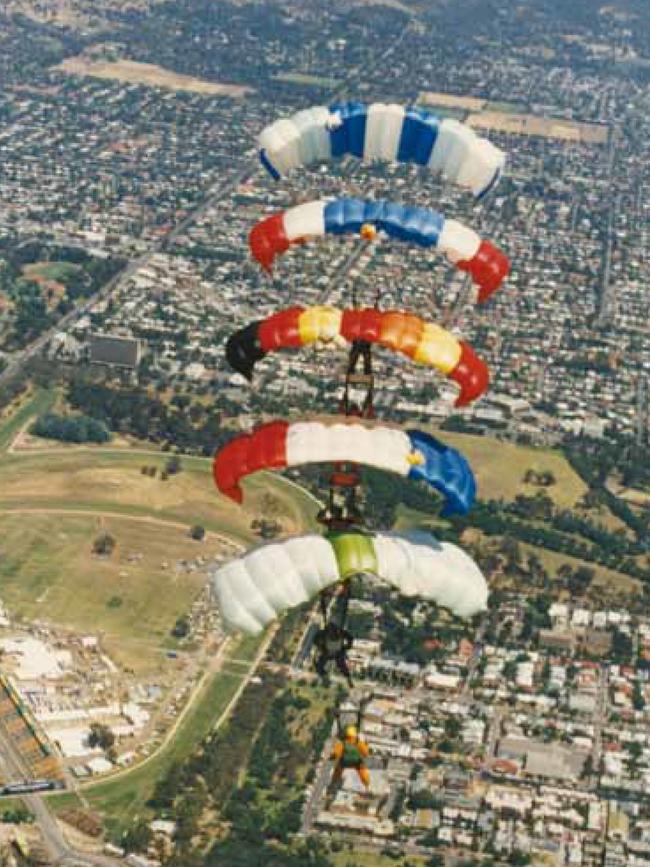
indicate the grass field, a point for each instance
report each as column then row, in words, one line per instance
column 604, row 577
column 54, row 503
column 107, row 480
column 351, row 854
column 60, row 272
column 306, row 79
column 124, row 797
column 32, row 405
column 500, row 469
column 148, row 74
column 48, row 572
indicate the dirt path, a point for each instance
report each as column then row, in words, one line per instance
column 125, row 516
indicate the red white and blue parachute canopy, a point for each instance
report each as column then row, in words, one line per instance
column 256, row 589
column 412, row 454
column 486, row 264
column 391, row 133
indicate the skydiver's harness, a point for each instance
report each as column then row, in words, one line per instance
column 360, row 350
column 333, row 647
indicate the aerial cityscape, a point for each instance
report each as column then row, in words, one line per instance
column 324, row 433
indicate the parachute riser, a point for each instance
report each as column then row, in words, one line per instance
column 342, row 511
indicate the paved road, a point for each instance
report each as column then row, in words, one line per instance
column 323, row 772
column 56, row 844
column 607, row 298
column 600, row 717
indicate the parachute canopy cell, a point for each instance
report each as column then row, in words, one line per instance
column 485, row 263
column 386, row 132
column 257, row 588
column 412, row 454
column 424, row 342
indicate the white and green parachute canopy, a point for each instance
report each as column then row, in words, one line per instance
column 257, row 588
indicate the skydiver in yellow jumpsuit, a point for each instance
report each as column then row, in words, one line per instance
column 351, row 752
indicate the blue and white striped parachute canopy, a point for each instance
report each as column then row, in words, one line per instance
column 391, row 133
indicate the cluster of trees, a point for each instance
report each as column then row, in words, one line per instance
column 263, row 812
column 384, row 492
column 100, row 736
column 541, row 507
column 408, row 637
column 34, row 307
column 283, row 645
column 19, row 815
column 71, row 428
column 543, row 478
column 134, row 411
column 618, row 456
column 165, row 37
column 494, row 518
column 209, row 777
column 10, row 389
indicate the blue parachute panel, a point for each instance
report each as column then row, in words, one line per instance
column 350, row 135
column 446, row 470
column 419, row 134
column 414, row 225
column 343, row 216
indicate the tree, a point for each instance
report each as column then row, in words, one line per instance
column 104, row 545
column 637, row 698
column 181, row 627
column 452, row 727
column 173, row 465
column 137, row 838
column 198, row 532
column 100, row 736
column 587, row 768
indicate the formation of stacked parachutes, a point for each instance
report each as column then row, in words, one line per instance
column 257, row 588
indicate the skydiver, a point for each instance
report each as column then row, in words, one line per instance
column 351, row 752
column 360, row 349
column 333, row 643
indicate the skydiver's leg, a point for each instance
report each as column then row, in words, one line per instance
column 321, row 667
column 353, row 357
column 344, row 668
column 344, row 597
column 364, row 775
column 366, row 350
column 323, row 601
column 337, row 774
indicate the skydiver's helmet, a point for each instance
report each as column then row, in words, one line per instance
column 351, row 733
